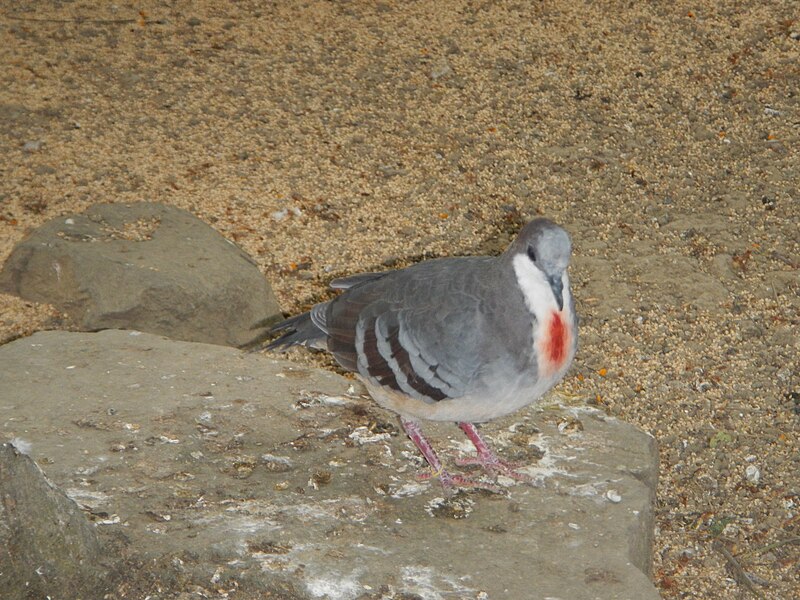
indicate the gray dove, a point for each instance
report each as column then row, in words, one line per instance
column 464, row 339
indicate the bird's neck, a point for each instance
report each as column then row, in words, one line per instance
column 553, row 328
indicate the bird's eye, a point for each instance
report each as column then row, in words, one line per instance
column 531, row 254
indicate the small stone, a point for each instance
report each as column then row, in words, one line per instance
column 32, row 146
column 570, row 425
column 320, row 478
column 753, row 474
column 44, row 170
column 277, row 464
column 458, row 506
column 21, row 446
column 707, row 482
column 614, row 496
column 363, row 435
column 391, row 170
column 441, row 69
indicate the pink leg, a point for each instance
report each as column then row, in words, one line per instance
column 486, row 458
column 414, row 432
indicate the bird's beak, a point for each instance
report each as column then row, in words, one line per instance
column 558, row 290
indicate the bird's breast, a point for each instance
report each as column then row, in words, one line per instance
column 556, row 339
column 555, row 342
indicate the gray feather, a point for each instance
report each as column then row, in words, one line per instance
column 449, row 335
column 344, row 283
column 299, row 331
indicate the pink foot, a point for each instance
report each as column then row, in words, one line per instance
column 487, row 459
column 450, row 481
column 447, row 480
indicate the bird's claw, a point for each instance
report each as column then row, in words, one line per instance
column 450, row 481
column 495, row 466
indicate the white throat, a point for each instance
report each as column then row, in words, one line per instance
column 539, row 297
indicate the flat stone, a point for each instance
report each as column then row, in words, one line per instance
column 232, row 469
column 145, row 266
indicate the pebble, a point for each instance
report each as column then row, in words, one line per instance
column 280, row 215
column 362, row 435
column 390, row 171
column 753, row 474
column 32, row 146
column 707, row 482
column 44, row 170
column 441, row 69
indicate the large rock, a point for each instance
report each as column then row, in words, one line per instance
column 144, row 266
column 237, row 471
column 47, row 545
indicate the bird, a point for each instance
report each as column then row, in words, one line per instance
column 462, row 339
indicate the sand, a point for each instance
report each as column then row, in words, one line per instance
column 328, row 138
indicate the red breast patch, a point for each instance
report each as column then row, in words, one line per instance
column 556, row 340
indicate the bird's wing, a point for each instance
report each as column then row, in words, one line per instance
column 344, row 283
column 311, row 328
column 421, row 331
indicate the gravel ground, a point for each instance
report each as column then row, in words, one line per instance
column 333, row 137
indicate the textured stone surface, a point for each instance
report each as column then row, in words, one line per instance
column 47, row 545
column 243, row 471
column 145, row 266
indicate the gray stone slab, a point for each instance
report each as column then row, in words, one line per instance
column 247, row 471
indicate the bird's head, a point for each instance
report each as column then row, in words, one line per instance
column 548, row 248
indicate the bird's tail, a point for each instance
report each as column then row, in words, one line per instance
column 297, row 331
